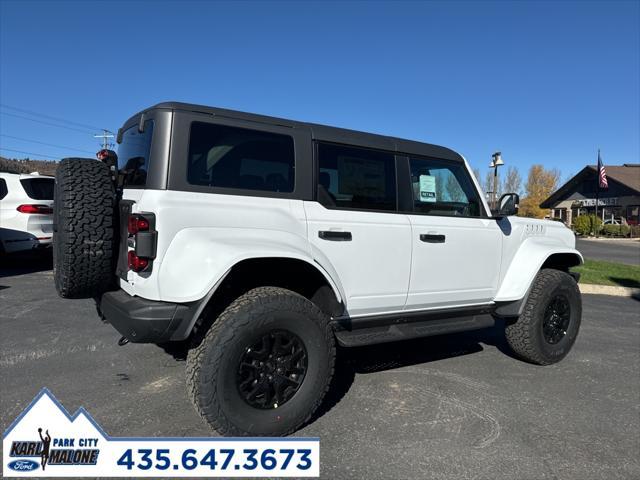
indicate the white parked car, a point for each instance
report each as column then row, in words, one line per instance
column 26, row 212
column 263, row 242
column 615, row 221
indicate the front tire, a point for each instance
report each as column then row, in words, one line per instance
column 264, row 366
column 550, row 321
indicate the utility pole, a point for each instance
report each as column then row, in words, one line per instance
column 105, row 136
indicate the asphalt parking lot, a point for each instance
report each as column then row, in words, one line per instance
column 455, row 406
column 619, row 251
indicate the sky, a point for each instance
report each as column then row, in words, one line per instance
column 542, row 82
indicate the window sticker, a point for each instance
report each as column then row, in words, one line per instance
column 427, row 188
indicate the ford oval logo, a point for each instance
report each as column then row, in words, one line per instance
column 23, row 465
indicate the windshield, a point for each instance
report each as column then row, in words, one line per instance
column 133, row 155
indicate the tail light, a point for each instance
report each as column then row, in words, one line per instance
column 41, row 209
column 137, row 223
column 136, row 263
column 143, row 238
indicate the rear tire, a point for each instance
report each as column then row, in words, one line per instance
column 225, row 364
column 84, row 237
column 550, row 321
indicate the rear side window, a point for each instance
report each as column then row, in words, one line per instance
column 38, row 188
column 231, row 157
column 3, row 188
column 133, row 155
column 443, row 188
column 356, row 178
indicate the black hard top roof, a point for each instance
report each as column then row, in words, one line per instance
column 321, row 132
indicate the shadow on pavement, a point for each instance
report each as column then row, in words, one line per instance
column 22, row 263
column 625, row 282
column 389, row 356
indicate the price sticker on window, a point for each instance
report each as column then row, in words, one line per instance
column 427, row 188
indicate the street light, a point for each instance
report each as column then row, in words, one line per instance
column 496, row 161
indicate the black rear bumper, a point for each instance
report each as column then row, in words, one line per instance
column 147, row 321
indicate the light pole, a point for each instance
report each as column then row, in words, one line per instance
column 496, row 161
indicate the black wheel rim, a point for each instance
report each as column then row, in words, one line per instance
column 272, row 370
column 556, row 319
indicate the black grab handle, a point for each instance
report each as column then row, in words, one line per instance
column 335, row 236
column 430, row 238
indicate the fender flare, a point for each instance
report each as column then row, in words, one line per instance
column 516, row 284
column 196, row 308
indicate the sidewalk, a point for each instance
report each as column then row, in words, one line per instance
column 630, row 241
column 590, row 288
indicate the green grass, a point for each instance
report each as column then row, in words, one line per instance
column 609, row 273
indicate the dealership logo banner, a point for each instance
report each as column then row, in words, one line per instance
column 45, row 441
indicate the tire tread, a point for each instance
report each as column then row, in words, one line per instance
column 222, row 333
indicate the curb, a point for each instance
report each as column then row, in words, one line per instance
column 609, row 290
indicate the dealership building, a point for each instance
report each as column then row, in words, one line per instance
column 578, row 196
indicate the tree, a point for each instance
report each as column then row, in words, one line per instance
column 540, row 184
column 454, row 191
column 476, row 173
column 513, row 181
column 488, row 185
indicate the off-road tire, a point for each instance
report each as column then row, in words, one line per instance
column 84, row 235
column 526, row 337
column 212, row 363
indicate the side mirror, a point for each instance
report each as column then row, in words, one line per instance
column 508, row 205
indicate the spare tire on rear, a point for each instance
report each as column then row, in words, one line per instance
column 84, row 237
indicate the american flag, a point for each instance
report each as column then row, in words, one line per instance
column 602, row 174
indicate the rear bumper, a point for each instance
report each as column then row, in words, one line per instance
column 147, row 321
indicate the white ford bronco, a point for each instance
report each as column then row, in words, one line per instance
column 263, row 242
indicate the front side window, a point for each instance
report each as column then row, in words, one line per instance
column 133, row 155
column 443, row 188
column 356, row 178
column 231, row 157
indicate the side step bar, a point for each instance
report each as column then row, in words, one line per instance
column 360, row 331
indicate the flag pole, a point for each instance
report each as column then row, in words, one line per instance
column 597, row 192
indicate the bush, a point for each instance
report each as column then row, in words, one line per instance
column 616, row 230
column 585, row 224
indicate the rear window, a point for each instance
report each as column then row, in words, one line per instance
column 230, row 157
column 3, row 188
column 133, row 155
column 38, row 188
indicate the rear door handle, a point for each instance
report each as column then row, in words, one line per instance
column 432, row 238
column 334, row 236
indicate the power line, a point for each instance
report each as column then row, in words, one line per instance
column 47, row 144
column 29, row 153
column 50, row 117
column 44, row 123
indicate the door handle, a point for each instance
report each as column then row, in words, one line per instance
column 432, row 238
column 334, row 236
